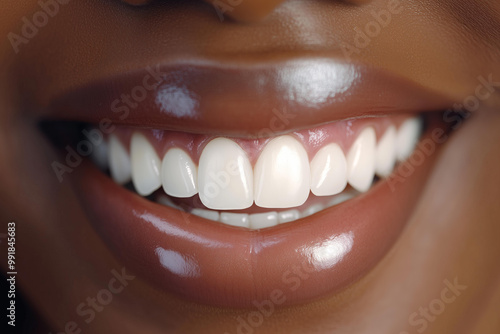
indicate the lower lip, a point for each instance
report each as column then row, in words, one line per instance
column 211, row 263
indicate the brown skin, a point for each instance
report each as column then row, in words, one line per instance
column 443, row 45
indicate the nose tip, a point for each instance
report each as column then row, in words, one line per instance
column 245, row 10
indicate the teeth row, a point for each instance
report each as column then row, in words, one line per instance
column 262, row 220
column 282, row 177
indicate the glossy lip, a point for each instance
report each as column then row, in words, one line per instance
column 242, row 98
column 211, row 263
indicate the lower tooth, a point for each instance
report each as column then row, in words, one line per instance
column 207, row 214
column 263, row 220
column 288, row 216
column 312, row 210
column 235, row 219
column 341, row 198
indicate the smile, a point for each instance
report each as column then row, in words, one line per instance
column 222, row 193
column 259, row 183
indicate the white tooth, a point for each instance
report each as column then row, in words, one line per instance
column 407, row 137
column 164, row 200
column 328, row 171
column 207, row 214
column 179, row 174
column 386, row 153
column 263, row 220
column 341, row 198
column 146, row 165
column 119, row 161
column 282, row 174
column 361, row 161
column 225, row 178
column 235, row 219
column 312, row 210
column 288, row 216
column 100, row 155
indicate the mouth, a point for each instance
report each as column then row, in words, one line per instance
column 224, row 184
column 257, row 183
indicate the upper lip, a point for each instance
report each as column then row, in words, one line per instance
column 240, row 98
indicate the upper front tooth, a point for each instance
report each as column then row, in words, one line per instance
column 361, row 161
column 225, row 178
column 146, row 165
column 179, row 174
column 282, row 174
column 407, row 137
column 119, row 161
column 386, row 153
column 328, row 171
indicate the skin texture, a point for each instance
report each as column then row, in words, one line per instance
column 452, row 233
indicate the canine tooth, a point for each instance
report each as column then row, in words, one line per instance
column 407, row 137
column 312, row 210
column 120, row 166
column 288, row 216
column 386, row 153
column 207, row 214
column 235, row 219
column 179, row 174
column 225, row 178
column 328, row 171
column 100, row 155
column 282, row 174
column 146, row 165
column 361, row 161
column 263, row 220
